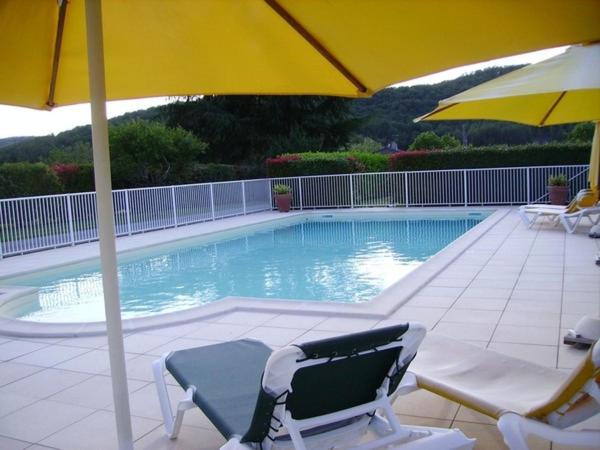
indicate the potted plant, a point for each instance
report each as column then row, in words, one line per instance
column 558, row 189
column 283, row 197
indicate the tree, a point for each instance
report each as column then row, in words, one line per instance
column 428, row 140
column 152, row 154
column 248, row 128
column 583, row 132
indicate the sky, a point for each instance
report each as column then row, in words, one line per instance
column 15, row 121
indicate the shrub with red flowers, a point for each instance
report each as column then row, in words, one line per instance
column 74, row 177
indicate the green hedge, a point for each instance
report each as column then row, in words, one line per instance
column 496, row 156
column 321, row 163
column 27, row 179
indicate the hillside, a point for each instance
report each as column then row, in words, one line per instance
column 387, row 116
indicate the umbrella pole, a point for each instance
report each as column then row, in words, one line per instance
column 108, row 254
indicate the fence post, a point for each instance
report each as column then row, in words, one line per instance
column 127, row 213
column 300, row 192
column 1, row 228
column 351, row 191
column 529, row 185
column 270, row 195
column 465, row 187
column 174, row 205
column 212, row 201
column 406, row 188
column 70, row 219
column 244, row 196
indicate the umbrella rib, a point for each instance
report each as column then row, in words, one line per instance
column 62, row 12
column 434, row 112
column 299, row 28
column 554, row 105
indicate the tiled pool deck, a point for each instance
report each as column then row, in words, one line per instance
column 515, row 291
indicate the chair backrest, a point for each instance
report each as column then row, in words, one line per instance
column 578, row 397
column 585, row 198
column 330, row 375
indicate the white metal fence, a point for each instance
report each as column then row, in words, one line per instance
column 36, row 223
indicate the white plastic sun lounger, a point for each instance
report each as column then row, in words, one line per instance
column 525, row 398
column 316, row 395
column 560, row 215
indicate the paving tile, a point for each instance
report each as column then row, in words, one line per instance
column 97, row 431
column 13, row 349
column 405, row 419
column 45, row 383
column 35, row 422
column 142, row 343
column 92, row 362
column 491, row 304
column 246, row 318
column 138, row 368
column 543, row 355
column 179, row 344
column 427, row 316
column 581, row 308
column 569, row 357
column 469, row 415
column 530, row 318
column 489, row 438
column 94, row 393
column 295, row 321
column 466, row 331
column 425, row 404
column 574, row 296
column 431, row 302
column 175, row 331
column 345, row 324
column 219, row 331
column 189, row 438
column 315, row 335
column 494, row 283
column 481, row 292
column 274, row 336
column 12, row 402
column 536, row 295
column 11, row 371
column 569, row 320
column 526, row 335
column 90, row 342
column 433, row 291
column 50, row 356
column 13, row 444
column 472, row 316
column 450, row 282
column 533, row 306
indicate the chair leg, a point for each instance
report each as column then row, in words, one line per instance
column 172, row 424
column 510, row 426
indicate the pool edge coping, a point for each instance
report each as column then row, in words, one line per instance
column 380, row 307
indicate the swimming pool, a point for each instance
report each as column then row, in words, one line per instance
column 338, row 257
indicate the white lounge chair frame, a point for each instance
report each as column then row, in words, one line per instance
column 570, row 221
column 385, row 424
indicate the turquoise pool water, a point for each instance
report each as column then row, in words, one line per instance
column 341, row 258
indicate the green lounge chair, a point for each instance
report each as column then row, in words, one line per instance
column 319, row 394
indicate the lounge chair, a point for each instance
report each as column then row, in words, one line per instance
column 314, row 395
column 525, row 398
column 570, row 221
column 583, row 205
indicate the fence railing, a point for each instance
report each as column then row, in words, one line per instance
column 36, row 223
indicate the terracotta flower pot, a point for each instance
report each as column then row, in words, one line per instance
column 283, row 202
column 559, row 195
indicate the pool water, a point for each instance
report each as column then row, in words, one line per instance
column 338, row 258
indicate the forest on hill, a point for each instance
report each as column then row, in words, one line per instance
column 249, row 129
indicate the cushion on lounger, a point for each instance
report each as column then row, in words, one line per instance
column 227, row 378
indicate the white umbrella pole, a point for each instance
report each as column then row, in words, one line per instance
column 108, row 253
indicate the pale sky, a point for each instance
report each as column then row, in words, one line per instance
column 15, row 121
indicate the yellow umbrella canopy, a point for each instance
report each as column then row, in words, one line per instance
column 335, row 47
column 61, row 52
column 559, row 90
